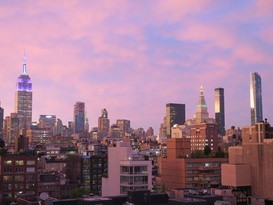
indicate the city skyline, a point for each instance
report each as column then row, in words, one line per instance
column 110, row 55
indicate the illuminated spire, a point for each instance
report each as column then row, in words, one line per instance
column 24, row 64
column 201, row 90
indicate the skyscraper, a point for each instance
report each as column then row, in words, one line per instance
column 23, row 99
column 79, row 117
column 175, row 114
column 202, row 114
column 103, row 121
column 256, row 107
column 1, row 121
column 220, row 110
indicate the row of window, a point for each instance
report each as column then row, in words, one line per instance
column 7, row 187
column 19, row 162
column 19, row 178
column 133, row 169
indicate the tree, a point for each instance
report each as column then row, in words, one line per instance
column 207, row 150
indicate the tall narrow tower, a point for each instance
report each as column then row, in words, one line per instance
column 256, row 107
column 220, row 110
column 23, row 99
column 79, row 117
column 1, row 121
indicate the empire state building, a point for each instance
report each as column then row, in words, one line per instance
column 23, row 99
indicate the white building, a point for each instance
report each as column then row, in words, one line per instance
column 127, row 170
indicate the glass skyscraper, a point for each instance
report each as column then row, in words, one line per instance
column 23, row 99
column 79, row 117
column 256, row 106
column 220, row 110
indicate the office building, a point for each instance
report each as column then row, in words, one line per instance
column 220, row 110
column 58, row 128
column 47, row 121
column 124, row 126
column 202, row 135
column 11, row 128
column 103, row 121
column 79, row 117
column 256, row 106
column 1, row 122
column 23, row 99
column 175, row 114
column 179, row 170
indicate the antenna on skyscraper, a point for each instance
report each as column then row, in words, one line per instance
column 24, row 63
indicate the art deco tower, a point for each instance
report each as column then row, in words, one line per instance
column 220, row 110
column 256, row 107
column 202, row 114
column 23, row 99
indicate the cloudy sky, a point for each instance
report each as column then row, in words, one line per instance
column 133, row 57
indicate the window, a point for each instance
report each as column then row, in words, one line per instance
column 19, row 169
column 30, row 169
column 7, row 162
column 19, row 162
column 19, row 178
column 7, row 178
column 30, row 162
column 7, row 169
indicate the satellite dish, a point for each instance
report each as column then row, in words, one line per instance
column 44, row 196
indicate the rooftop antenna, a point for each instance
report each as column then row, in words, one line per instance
column 24, row 64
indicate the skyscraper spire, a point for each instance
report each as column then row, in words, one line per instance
column 202, row 114
column 24, row 64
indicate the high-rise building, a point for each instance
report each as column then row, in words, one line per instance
column 175, row 114
column 256, row 106
column 47, row 121
column 103, row 121
column 124, row 126
column 23, row 99
column 202, row 114
column 1, row 121
column 79, row 117
column 11, row 128
column 220, row 110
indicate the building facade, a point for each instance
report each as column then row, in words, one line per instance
column 256, row 107
column 249, row 171
column 103, row 121
column 178, row 170
column 18, row 175
column 204, row 134
column 220, row 110
column 126, row 171
column 124, row 126
column 79, row 117
column 47, row 121
column 23, row 99
column 175, row 114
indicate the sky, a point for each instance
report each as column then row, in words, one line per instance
column 134, row 57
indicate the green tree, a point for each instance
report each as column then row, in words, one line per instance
column 197, row 154
column 207, row 150
column 77, row 193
